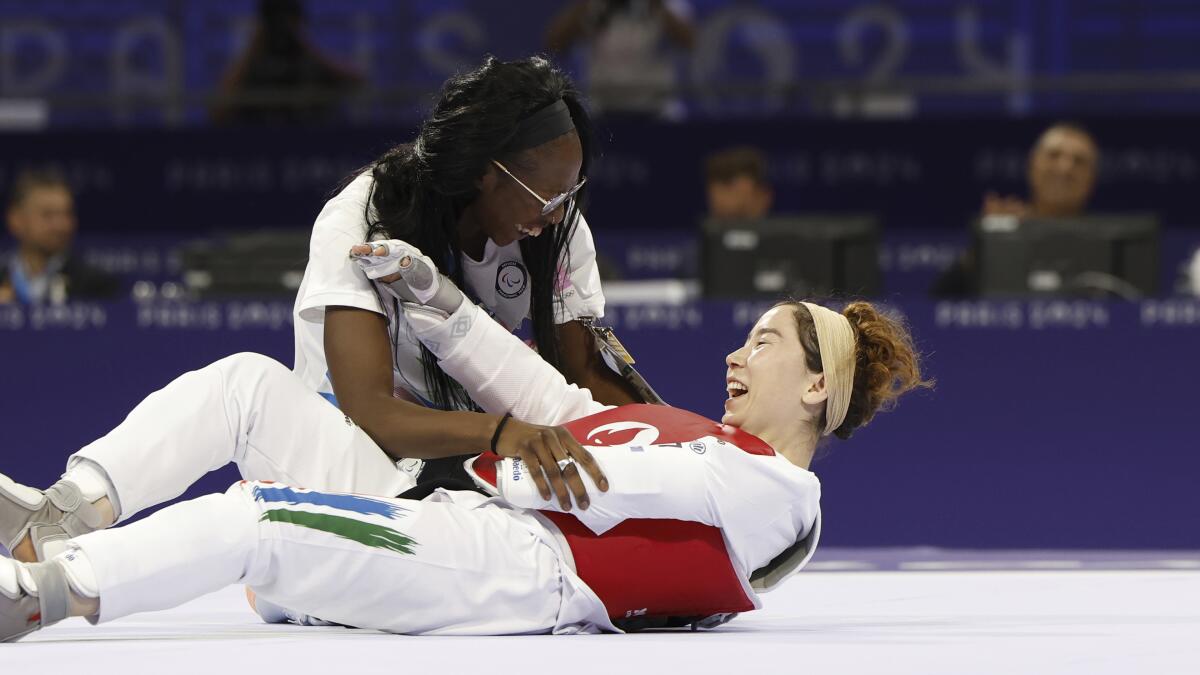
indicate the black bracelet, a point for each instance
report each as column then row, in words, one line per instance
column 499, row 428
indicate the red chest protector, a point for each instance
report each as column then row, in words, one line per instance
column 651, row 567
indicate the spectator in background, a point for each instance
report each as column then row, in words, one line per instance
column 737, row 184
column 629, row 69
column 282, row 78
column 41, row 217
column 1061, row 174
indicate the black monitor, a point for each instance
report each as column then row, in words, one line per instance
column 801, row 256
column 1094, row 256
column 263, row 263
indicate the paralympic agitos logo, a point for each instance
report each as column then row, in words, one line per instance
column 511, row 279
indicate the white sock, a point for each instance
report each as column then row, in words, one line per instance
column 80, row 574
column 93, row 483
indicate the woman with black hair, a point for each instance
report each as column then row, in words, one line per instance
column 492, row 189
column 489, row 190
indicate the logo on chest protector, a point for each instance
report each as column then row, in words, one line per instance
column 511, row 279
column 623, row 433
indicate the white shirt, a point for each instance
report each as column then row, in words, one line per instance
column 499, row 281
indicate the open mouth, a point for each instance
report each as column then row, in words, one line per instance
column 736, row 389
column 528, row 231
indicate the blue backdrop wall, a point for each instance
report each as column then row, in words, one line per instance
column 1053, row 424
column 648, row 177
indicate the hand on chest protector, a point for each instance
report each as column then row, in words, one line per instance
column 553, row 458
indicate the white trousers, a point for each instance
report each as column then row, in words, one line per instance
column 247, row 409
column 404, row 566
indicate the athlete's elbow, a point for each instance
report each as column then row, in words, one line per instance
column 371, row 414
column 359, row 409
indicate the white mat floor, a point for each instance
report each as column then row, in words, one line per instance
column 1031, row 621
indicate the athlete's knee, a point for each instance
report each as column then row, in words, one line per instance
column 253, row 497
column 248, row 375
column 241, row 516
column 252, row 364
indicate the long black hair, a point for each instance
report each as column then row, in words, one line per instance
column 421, row 188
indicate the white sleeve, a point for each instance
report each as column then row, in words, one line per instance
column 762, row 503
column 500, row 372
column 331, row 277
column 582, row 294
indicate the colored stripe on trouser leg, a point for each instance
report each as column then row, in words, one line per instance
column 367, row 534
column 342, row 502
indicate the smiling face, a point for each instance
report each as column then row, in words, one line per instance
column 505, row 212
column 769, row 383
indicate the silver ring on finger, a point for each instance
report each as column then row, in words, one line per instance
column 564, row 463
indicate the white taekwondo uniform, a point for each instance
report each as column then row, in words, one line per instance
column 458, row 562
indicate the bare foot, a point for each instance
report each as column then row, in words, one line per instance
column 105, row 508
column 24, row 551
column 81, row 606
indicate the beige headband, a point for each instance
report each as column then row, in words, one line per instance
column 835, row 339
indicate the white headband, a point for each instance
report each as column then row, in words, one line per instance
column 835, row 340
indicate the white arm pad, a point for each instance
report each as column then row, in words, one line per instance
column 497, row 369
column 650, row 481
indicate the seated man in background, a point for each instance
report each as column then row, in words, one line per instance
column 1062, row 176
column 737, row 184
column 41, row 217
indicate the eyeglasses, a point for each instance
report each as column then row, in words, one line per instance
column 552, row 205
